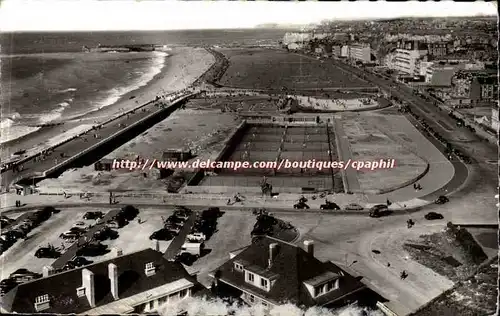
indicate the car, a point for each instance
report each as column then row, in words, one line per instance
column 47, row 252
column 441, row 200
column 93, row 215
column 174, row 220
column 301, row 205
column 92, row 250
column 162, row 234
column 106, row 233
column 379, row 208
column 70, row 235
column 376, row 213
column 186, row 258
column 68, row 266
column 80, row 224
column 81, row 261
column 433, row 216
column 173, row 229
column 129, row 212
column 24, row 275
column 354, row 207
column 329, row 206
column 7, row 284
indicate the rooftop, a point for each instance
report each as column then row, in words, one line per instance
column 62, row 287
column 291, row 267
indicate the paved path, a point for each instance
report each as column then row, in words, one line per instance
column 70, row 252
column 345, row 154
column 180, row 239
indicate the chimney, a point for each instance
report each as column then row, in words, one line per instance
column 113, row 279
column 273, row 251
column 88, row 284
column 156, row 244
column 47, row 271
column 118, row 252
column 309, row 246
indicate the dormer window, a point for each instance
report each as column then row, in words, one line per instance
column 326, row 287
column 42, row 303
column 250, row 277
column 238, row 267
column 150, row 269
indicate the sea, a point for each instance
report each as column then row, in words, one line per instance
column 47, row 78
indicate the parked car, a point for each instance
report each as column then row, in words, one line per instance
column 93, row 215
column 92, row 250
column 117, row 222
column 211, row 212
column 196, row 237
column 441, row 200
column 301, row 205
column 106, row 233
column 47, row 252
column 24, row 275
column 354, row 207
column 6, row 285
column 80, row 225
column 174, row 220
column 68, row 266
column 329, row 206
column 70, row 235
column 433, row 215
column 129, row 212
column 81, row 261
column 174, row 229
column 162, row 234
column 186, row 258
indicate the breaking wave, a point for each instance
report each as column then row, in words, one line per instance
column 217, row 307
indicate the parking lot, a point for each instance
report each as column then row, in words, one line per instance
column 268, row 143
column 22, row 253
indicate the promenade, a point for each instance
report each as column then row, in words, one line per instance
column 37, row 166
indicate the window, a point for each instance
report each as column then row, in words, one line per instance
column 183, row 293
column 151, row 305
column 238, row 267
column 263, row 283
column 250, row 277
column 252, row 298
column 149, row 266
column 42, row 299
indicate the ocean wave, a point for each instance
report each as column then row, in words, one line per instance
column 202, row 306
column 54, row 114
column 116, row 93
column 67, row 90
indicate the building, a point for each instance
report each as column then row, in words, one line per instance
column 336, row 50
column 134, row 283
column 484, row 89
column 437, row 49
column 494, row 119
column 177, row 155
column 406, row 55
column 344, row 51
column 295, row 46
column 360, row 52
column 272, row 272
column 104, row 164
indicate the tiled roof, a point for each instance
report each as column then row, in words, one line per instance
column 62, row 287
column 293, row 266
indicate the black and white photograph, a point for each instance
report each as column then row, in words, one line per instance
column 257, row 158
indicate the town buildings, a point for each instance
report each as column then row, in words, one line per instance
column 134, row 283
column 271, row 272
column 406, row 57
column 360, row 52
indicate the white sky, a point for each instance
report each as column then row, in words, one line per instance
column 75, row 15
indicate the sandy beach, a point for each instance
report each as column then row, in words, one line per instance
column 182, row 68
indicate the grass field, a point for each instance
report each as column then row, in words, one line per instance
column 272, row 69
column 257, row 104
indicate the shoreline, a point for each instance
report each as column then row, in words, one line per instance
column 182, row 67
